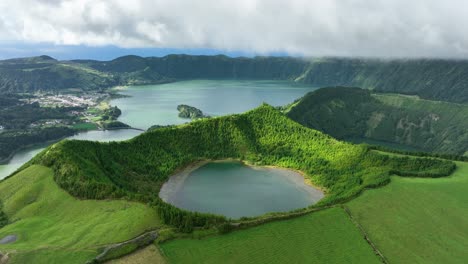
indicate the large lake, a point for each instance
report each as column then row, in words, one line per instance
column 235, row 190
column 157, row 105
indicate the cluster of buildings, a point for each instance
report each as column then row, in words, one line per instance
column 67, row 100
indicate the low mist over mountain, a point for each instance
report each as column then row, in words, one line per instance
column 438, row 79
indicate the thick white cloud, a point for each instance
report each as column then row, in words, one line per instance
column 401, row 28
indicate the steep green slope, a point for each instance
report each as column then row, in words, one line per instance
column 436, row 79
column 418, row 220
column 327, row 236
column 445, row 80
column 136, row 169
column 50, row 223
column 355, row 113
column 53, row 227
column 429, row 78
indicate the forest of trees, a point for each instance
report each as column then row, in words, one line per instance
column 13, row 140
column 349, row 113
column 136, row 169
column 3, row 216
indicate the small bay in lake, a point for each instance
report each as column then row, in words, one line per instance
column 234, row 189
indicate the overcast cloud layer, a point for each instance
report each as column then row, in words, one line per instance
column 383, row 28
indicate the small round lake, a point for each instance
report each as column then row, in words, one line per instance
column 235, row 190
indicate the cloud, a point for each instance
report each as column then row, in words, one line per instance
column 383, row 28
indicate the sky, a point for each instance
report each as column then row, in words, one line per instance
column 105, row 29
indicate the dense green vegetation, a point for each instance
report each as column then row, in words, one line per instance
column 348, row 113
column 49, row 222
column 187, row 111
column 136, row 169
column 114, row 125
column 54, row 227
column 418, row 153
column 327, row 236
column 445, row 80
column 17, row 119
column 418, row 220
column 111, row 113
column 3, row 216
column 13, row 140
column 85, row 126
column 23, row 123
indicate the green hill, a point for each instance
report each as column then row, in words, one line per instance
column 136, row 169
column 53, row 227
column 353, row 113
column 50, row 223
column 436, row 79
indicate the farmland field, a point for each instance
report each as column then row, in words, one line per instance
column 327, row 236
column 413, row 220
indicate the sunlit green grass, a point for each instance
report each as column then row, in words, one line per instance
column 327, row 236
column 85, row 126
column 54, row 227
column 413, row 220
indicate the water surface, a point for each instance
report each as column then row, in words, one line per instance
column 234, row 190
column 157, row 105
column 25, row 155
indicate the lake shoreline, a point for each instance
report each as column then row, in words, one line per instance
column 172, row 189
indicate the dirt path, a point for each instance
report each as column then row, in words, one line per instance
column 3, row 258
column 110, row 251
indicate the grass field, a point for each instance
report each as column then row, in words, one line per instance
column 327, row 236
column 410, row 220
column 85, row 126
column 54, row 227
column 415, row 220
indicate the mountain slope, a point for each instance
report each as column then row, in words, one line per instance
column 53, row 227
column 51, row 222
column 445, row 80
column 356, row 113
column 137, row 168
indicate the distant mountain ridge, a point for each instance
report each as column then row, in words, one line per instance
column 435, row 79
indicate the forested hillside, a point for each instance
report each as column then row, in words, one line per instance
column 137, row 168
column 350, row 113
column 437, row 79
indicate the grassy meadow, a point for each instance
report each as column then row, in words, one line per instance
column 326, row 236
column 410, row 220
column 54, row 227
column 414, row 220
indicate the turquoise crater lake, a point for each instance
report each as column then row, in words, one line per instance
column 234, row 189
